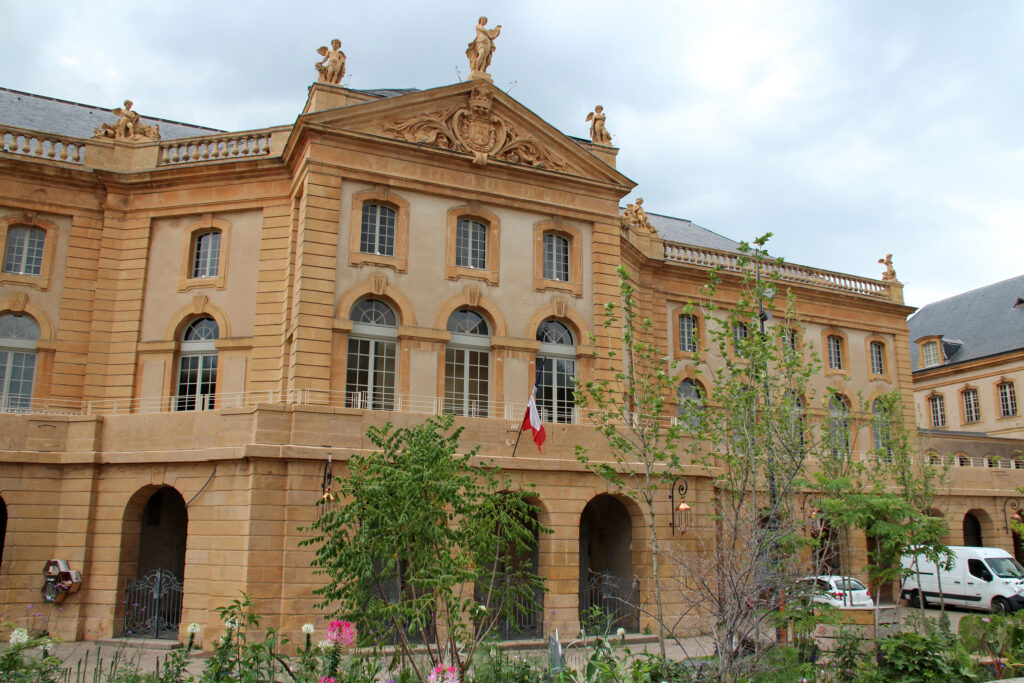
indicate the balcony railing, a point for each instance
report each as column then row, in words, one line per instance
column 787, row 272
column 32, row 143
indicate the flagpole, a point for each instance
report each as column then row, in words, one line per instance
column 533, row 392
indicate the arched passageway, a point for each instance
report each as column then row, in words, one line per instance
column 607, row 583
column 154, row 536
column 972, row 530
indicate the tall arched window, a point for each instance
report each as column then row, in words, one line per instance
column 18, row 336
column 372, row 356
column 467, row 365
column 691, row 402
column 197, row 366
column 838, row 427
column 556, row 361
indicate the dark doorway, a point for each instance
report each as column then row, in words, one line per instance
column 972, row 530
column 606, row 563
column 3, row 528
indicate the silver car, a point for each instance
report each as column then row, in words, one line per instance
column 838, row 591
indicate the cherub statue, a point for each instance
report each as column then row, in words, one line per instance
column 127, row 126
column 890, row 272
column 334, row 70
column 480, row 50
column 636, row 218
column 598, row 133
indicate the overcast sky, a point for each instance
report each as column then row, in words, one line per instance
column 848, row 129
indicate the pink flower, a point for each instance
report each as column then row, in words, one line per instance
column 341, row 632
column 326, row 679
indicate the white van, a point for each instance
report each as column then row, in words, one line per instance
column 980, row 578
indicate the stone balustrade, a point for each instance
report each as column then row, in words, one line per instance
column 42, row 145
column 232, row 146
column 786, row 272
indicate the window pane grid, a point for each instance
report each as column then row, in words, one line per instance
column 24, row 252
column 555, row 401
column 370, row 380
column 470, row 244
column 17, row 370
column 1007, row 399
column 972, row 411
column 835, row 353
column 938, row 410
column 687, row 334
column 377, row 235
column 877, row 358
column 931, row 354
column 466, row 386
column 556, row 257
column 197, row 382
column 206, row 258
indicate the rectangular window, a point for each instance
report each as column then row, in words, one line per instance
column 377, row 235
column 835, row 352
column 877, row 358
column 206, row 255
column 687, row 333
column 24, row 252
column 937, row 407
column 17, row 370
column 470, row 244
column 556, row 257
column 466, row 374
column 931, row 354
column 972, row 409
column 555, row 400
column 1007, row 399
column 370, row 381
column 197, row 382
column 792, row 340
column 739, row 334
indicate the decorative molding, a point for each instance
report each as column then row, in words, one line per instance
column 378, row 283
column 473, row 296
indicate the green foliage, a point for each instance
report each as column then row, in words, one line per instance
column 17, row 665
column 425, row 542
column 496, row 666
column 923, row 657
column 236, row 657
column 997, row 639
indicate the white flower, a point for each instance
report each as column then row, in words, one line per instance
column 621, row 632
column 325, row 645
column 231, row 624
column 308, row 629
column 19, row 636
column 193, row 628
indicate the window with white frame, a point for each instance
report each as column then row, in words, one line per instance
column 23, row 254
column 197, row 366
column 838, row 427
column 877, row 351
column 972, row 406
column 377, row 232
column 556, row 257
column 740, row 332
column 18, row 336
column 688, row 333
column 372, row 360
column 690, row 403
column 881, row 433
column 470, row 244
column 1007, row 399
column 467, row 365
column 835, row 352
column 206, row 254
column 930, row 351
column 937, row 410
column 556, row 363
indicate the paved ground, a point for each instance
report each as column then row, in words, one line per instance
column 81, row 657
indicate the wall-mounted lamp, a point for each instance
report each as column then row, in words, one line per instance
column 681, row 510
column 1014, row 504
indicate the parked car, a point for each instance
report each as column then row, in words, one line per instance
column 979, row 578
column 838, row 591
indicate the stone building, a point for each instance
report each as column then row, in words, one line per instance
column 193, row 321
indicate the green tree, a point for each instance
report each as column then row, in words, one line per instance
column 628, row 409
column 425, row 546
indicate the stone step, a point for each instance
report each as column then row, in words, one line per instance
column 140, row 643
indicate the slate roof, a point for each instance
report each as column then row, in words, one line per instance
column 982, row 322
column 687, row 232
column 60, row 117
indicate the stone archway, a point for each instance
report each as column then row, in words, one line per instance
column 972, row 530
column 606, row 577
column 154, row 535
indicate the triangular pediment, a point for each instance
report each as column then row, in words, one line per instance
column 473, row 119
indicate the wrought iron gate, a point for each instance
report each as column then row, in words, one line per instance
column 619, row 603
column 152, row 605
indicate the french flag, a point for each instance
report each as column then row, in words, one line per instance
column 531, row 420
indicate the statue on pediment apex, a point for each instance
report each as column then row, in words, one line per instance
column 635, row 218
column 890, row 272
column 598, row 133
column 481, row 49
column 330, row 69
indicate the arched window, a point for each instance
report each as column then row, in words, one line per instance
column 467, row 365
column 197, row 366
column 838, row 427
column 372, row 356
column 23, row 254
column 691, row 402
column 556, row 362
column 377, row 232
column 556, row 257
column 206, row 254
column 18, row 336
column 881, row 435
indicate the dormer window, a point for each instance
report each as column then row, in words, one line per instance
column 930, row 354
